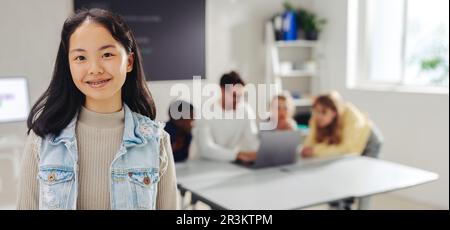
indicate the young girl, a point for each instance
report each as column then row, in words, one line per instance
column 338, row 127
column 93, row 142
column 282, row 110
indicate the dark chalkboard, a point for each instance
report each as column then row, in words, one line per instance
column 170, row 33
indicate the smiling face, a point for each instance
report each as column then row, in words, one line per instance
column 98, row 63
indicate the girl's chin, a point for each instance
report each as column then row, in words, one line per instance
column 98, row 96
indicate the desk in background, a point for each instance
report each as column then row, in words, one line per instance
column 224, row 185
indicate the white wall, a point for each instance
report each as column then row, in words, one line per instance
column 415, row 125
column 30, row 32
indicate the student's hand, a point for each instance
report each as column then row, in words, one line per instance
column 307, row 152
column 246, row 156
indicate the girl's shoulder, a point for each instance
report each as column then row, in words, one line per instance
column 353, row 113
column 150, row 128
column 146, row 120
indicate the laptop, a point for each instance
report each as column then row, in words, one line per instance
column 276, row 148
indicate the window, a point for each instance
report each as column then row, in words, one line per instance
column 404, row 42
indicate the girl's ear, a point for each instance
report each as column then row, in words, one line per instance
column 130, row 62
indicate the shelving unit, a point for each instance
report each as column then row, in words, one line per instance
column 297, row 43
column 302, row 79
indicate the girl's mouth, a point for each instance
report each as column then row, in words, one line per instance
column 98, row 84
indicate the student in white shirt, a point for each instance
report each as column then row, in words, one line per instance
column 231, row 132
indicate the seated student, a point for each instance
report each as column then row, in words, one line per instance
column 227, row 139
column 338, row 127
column 179, row 126
column 282, row 111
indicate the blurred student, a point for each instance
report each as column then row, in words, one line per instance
column 227, row 139
column 281, row 111
column 338, row 127
column 179, row 127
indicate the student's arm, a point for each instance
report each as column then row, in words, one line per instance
column 167, row 186
column 28, row 196
column 207, row 148
column 309, row 140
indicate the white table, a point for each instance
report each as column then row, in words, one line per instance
column 228, row 186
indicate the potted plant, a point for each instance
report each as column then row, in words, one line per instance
column 310, row 24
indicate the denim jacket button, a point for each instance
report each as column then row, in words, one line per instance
column 51, row 177
column 146, row 180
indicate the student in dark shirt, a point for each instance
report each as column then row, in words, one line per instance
column 179, row 127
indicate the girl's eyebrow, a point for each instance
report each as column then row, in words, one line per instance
column 106, row 47
column 101, row 48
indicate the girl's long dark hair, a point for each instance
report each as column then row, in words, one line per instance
column 54, row 110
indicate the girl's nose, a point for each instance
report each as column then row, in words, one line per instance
column 95, row 68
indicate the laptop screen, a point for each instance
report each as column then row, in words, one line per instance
column 14, row 100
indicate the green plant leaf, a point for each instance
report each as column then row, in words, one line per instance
column 431, row 64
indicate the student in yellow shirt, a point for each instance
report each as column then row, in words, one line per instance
column 338, row 127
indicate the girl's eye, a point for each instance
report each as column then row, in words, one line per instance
column 80, row 58
column 107, row 55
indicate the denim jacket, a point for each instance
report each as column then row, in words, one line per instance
column 134, row 172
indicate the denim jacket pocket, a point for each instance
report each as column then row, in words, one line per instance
column 55, row 184
column 137, row 186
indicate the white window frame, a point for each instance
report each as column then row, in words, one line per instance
column 358, row 51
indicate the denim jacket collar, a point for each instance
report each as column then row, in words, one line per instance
column 67, row 135
column 133, row 132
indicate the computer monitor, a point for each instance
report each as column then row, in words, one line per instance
column 14, row 99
